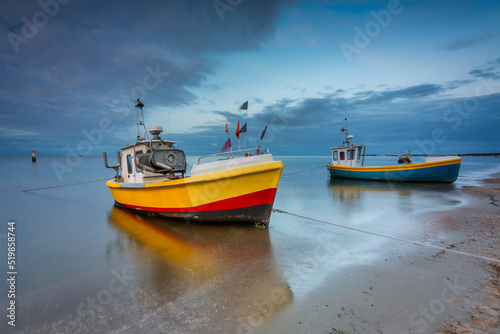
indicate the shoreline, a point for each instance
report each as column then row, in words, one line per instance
column 414, row 289
column 484, row 316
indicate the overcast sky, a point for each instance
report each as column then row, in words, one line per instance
column 409, row 75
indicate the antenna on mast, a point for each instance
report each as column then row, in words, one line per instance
column 140, row 105
column 347, row 136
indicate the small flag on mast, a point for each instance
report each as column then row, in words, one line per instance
column 263, row 133
column 238, row 130
column 243, row 128
column 227, row 129
column 244, row 106
column 226, row 145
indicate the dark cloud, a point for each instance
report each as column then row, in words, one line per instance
column 311, row 126
column 495, row 62
column 485, row 73
column 402, row 125
column 463, row 43
column 321, row 109
column 91, row 59
column 418, row 91
column 65, row 67
column 458, row 83
column 387, row 121
column 490, row 70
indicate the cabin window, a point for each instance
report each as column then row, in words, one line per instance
column 129, row 164
column 359, row 153
column 137, row 169
column 342, row 155
column 335, row 155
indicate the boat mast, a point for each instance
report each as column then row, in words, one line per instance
column 246, row 123
column 347, row 137
column 139, row 104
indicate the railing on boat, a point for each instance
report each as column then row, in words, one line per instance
column 364, row 151
column 115, row 167
column 231, row 153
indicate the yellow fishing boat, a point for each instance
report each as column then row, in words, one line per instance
column 225, row 188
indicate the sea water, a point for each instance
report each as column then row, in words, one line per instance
column 84, row 265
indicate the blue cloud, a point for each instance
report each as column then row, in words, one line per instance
column 464, row 43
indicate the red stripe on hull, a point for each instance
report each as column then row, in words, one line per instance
column 248, row 200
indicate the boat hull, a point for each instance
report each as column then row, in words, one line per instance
column 445, row 171
column 239, row 195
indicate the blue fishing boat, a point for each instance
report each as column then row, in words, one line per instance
column 348, row 163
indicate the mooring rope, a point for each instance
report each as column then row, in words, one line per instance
column 307, row 170
column 392, row 238
column 67, row 185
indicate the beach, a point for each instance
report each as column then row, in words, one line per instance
column 356, row 257
column 417, row 290
column 484, row 315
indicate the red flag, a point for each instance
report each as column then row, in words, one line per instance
column 263, row 133
column 226, row 145
column 227, row 130
column 238, row 130
column 258, row 151
column 243, row 128
column 244, row 106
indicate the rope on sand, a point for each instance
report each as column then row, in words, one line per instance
column 490, row 259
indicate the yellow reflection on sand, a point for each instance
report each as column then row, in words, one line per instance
column 233, row 265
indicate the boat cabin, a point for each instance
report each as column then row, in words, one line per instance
column 349, row 155
column 150, row 160
column 146, row 162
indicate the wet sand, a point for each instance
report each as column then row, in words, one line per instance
column 484, row 316
column 416, row 289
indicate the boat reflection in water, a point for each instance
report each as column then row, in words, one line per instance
column 224, row 271
column 348, row 190
column 388, row 199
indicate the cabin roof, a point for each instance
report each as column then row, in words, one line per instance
column 346, row 146
column 145, row 142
